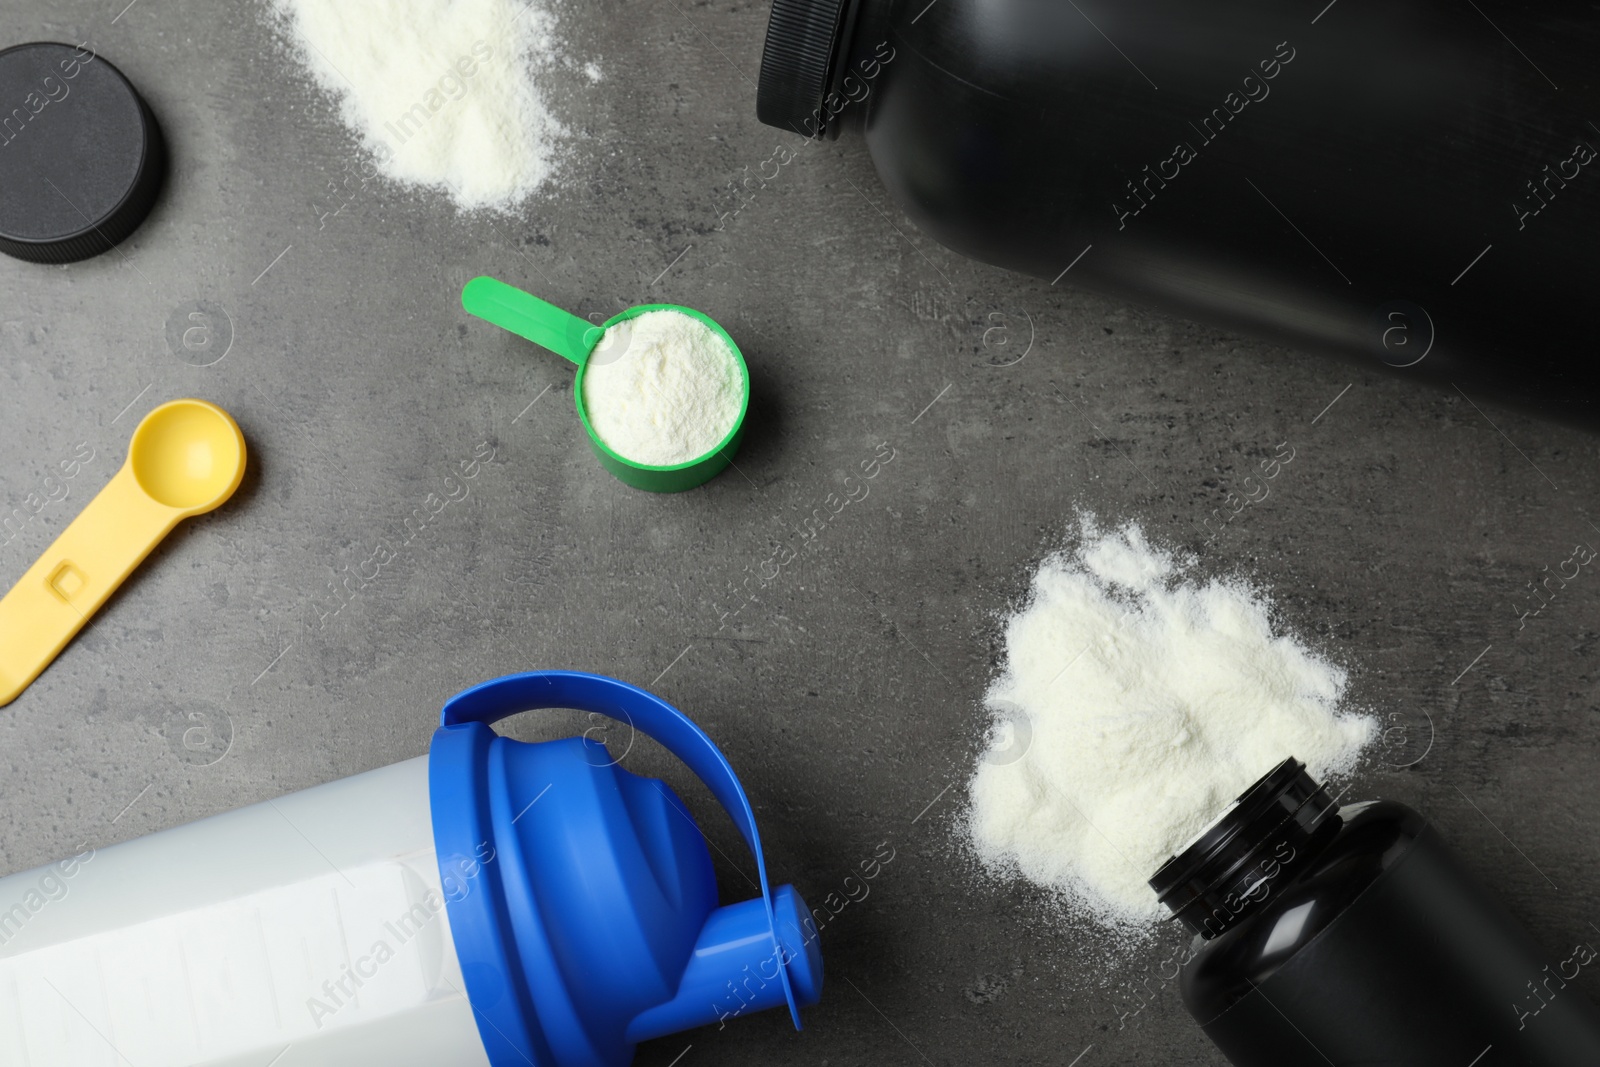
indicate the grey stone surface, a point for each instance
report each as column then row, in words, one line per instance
column 1399, row 540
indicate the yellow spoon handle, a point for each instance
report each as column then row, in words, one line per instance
column 84, row 566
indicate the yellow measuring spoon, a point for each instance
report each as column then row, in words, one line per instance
column 186, row 458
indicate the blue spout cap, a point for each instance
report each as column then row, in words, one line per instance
column 581, row 897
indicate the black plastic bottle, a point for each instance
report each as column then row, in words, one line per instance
column 1415, row 182
column 1353, row 936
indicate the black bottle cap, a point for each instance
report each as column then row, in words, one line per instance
column 1231, row 866
column 796, row 64
column 81, row 156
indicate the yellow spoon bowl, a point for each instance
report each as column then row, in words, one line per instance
column 186, row 458
column 187, row 455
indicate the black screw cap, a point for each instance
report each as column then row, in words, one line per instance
column 796, row 64
column 81, row 156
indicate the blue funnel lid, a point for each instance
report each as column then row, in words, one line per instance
column 580, row 896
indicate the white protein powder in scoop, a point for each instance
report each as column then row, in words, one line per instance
column 442, row 93
column 662, row 388
column 1133, row 707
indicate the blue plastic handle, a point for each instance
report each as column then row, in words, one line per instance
column 491, row 701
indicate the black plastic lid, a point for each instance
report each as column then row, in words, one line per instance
column 1268, row 831
column 81, row 156
column 797, row 62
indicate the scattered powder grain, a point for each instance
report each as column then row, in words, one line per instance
column 442, row 93
column 662, row 388
column 1133, row 707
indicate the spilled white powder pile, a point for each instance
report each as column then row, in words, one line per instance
column 662, row 388
column 442, row 93
column 1133, row 707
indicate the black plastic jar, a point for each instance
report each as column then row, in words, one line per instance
column 1401, row 182
column 1353, row 936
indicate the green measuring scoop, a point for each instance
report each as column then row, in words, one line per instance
column 575, row 339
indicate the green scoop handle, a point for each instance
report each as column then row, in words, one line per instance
column 526, row 315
